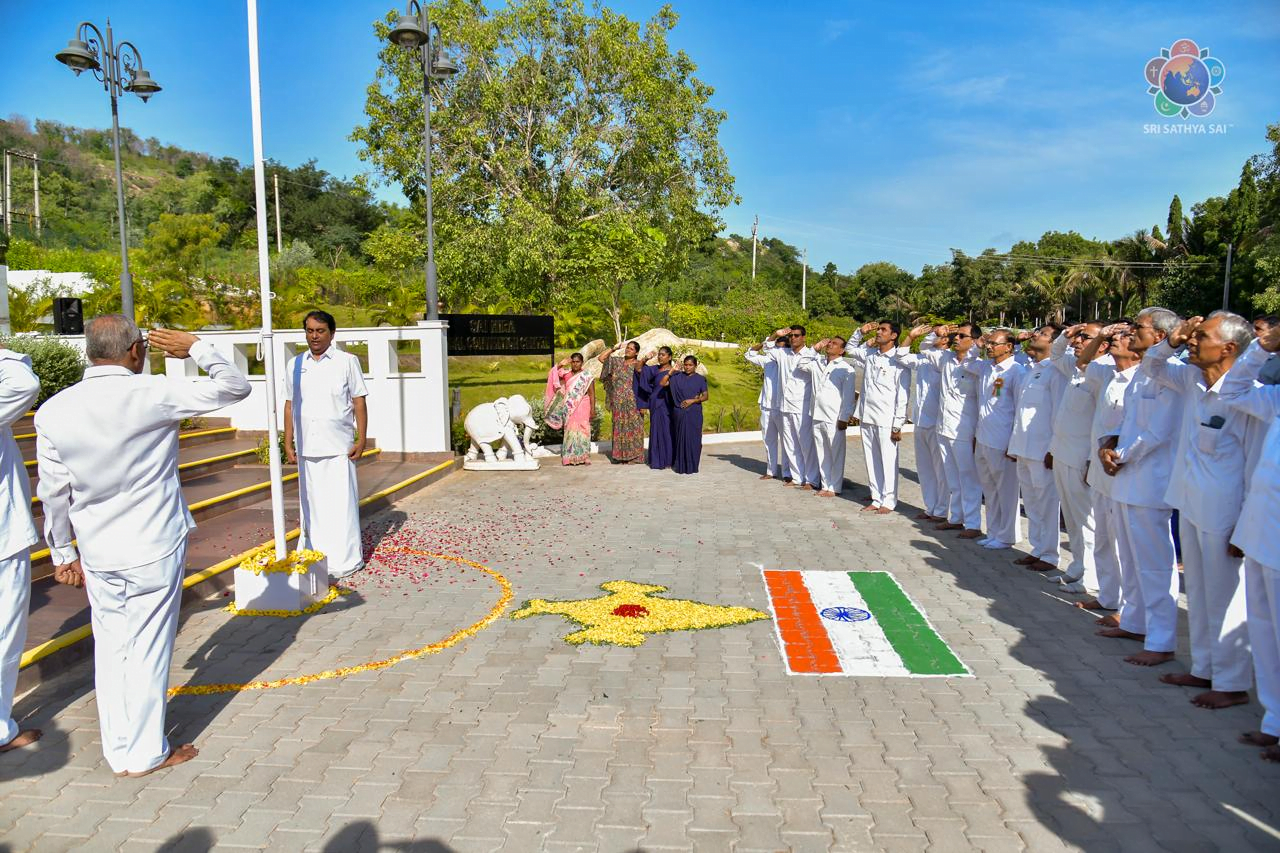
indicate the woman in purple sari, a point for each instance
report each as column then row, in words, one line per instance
column 658, row 400
column 688, row 392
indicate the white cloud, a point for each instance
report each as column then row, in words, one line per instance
column 833, row 29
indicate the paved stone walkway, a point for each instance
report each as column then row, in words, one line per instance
column 512, row 739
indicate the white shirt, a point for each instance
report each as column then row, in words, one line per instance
column 1148, row 439
column 797, row 393
column 927, row 400
column 108, row 457
column 957, row 396
column 1207, row 480
column 19, row 388
column 834, row 382
column 883, row 402
column 1037, row 403
column 1073, row 418
column 770, row 389
column 1260, row 514
column 996, row 403
column 1110, row 386
column 323, row 413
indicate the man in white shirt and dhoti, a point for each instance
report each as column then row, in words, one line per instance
column 107, row 449
column 833, row 381
column 325, row 430
column 19, row 388
column 1255, row 530
column 775, row 463
column 796, row 402
column 1000, row 379
column 881, row 410
column 1029, row 445
column 1207, row 488
column 926, row 412
column 1140, row 459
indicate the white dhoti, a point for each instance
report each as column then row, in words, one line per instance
column 15, row 603
column 774, row 462
column 330, row 500
column 1106, row 550
column 998, row 475
column 829, row 448
column 880, row 454
column 1148, row 575
column 930, row 471
column 1040, row 499
column 1262, row 597
column 1215, row 609
column 1077, row 512
column 134, row 613
column 964, row 505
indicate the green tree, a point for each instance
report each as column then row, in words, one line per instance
column 560, row 118
column 1176, row 224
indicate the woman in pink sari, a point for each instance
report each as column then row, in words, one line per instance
column 570, row 401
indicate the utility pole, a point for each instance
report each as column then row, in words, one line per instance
column 754, row 227
column 35, row 184
column 804, row 281
column 8, row 195
column 1226, row 282
column 275, row 179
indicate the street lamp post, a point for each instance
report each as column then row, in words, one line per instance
column 119, row 68
column 414, row 30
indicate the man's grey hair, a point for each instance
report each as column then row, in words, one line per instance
column 1008, row 333
column 1233, row 329
column 108, row 338
column 1162, row 319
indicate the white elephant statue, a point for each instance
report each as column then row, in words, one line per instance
column 490, row 423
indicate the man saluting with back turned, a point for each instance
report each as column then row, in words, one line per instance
column 107, row 448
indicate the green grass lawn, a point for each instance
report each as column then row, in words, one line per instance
column 733, row 385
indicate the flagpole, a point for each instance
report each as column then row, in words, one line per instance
column 264, row 278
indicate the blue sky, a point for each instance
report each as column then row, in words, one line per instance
column 861, row 131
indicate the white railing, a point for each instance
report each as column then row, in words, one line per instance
column 406, row 371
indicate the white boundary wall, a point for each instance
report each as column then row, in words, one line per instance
column 408, row 411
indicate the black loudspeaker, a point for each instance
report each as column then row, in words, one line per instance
column 68, row 316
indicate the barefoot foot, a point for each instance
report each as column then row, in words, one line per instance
column 1092, row 604
column 181, row 755
column 1271, row 754
column 1149, row 658
column 884, row 510
column 1185, row 679
column 22, row 738
column 1258, row 739
column 1216, row 700
column 1120, row 634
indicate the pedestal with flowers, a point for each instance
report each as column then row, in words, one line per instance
column 292, row 585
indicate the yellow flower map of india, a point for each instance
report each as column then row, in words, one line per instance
column 630, row 611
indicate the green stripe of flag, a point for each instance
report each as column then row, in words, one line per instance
column 922, row 651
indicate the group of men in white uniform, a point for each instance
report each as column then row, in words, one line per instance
column 1101, row 430
column 114, row 516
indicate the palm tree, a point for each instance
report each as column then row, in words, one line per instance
column 1081, row 280
column 406, row 303
column 26, row 307
column 1055, row 289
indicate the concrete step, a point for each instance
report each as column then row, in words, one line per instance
column 59, row 613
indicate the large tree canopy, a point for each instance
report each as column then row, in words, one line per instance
column 563, row 129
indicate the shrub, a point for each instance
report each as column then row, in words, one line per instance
column 264, row 448
column 545, row 435
column 56, row 364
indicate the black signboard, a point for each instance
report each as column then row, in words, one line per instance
column 501, row 334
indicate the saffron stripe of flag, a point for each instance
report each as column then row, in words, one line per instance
column 854, row 623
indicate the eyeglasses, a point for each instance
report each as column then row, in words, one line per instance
column 140, row 340
column 960, row 336
column 1085, row 337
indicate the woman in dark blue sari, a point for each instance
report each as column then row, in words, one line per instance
column 688, row 392
column 658, row 397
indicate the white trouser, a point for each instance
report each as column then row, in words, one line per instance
column 134, row 613
column 797, row 446
column 828, row 444
column 998, row 475
column 1215, row 608
column 965, row 503
column 1106, row 550
column 1262, row 597
column 770, row 421
column 929, row 470
column 15, row 602
column 331, row 511
column 1148, row 575
column 1040, row 498
column 880, row 454
column 1077, row 512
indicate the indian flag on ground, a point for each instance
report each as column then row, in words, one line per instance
column 854, row 623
